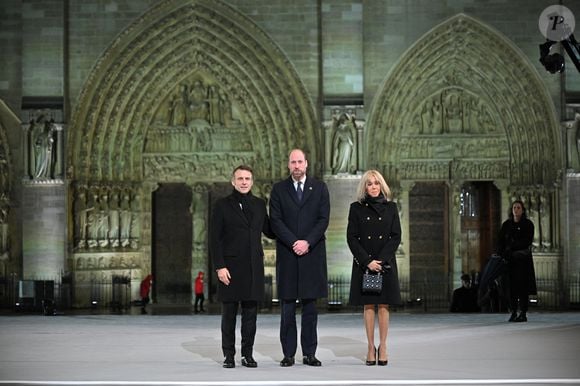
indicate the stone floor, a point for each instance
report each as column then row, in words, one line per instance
column 424, row 349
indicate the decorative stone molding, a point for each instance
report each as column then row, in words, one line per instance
column 461, row 85
column 175, row 43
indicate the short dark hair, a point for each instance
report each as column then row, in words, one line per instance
column 243, row 167
column 465, row 277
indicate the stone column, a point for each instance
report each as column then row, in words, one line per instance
column 44, row 230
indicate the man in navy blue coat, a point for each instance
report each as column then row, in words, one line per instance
column 299, row 214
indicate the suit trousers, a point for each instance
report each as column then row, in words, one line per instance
column 249, row 316
column 288, row 330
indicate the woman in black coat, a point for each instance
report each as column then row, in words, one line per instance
column 514, row 245
column 373, row 236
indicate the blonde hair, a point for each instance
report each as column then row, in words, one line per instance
column 361, row 191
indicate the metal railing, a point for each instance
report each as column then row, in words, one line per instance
column 429, row 294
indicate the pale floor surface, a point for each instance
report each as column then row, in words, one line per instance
column 441, row 349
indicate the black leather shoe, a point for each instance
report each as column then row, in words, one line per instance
column 311, row 360
column 287, row 362
column 249, row 362
column 513, row 317
column 229, row 363
column 522, row 317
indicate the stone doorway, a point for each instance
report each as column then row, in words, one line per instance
column 428, row 236
column 172, row 244
column 479, row 208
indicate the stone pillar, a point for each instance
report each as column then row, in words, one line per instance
column 404, row 253
column 343, row 193
column 455, row 234
column 44, row 230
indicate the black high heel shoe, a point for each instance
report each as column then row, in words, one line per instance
column 374, row 362
column 380, row 362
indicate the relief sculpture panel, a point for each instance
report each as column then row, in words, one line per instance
column 197, row 116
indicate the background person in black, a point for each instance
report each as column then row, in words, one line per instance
column 238, row 222
column 465, row 297
column 514, row 245
column 373, row 235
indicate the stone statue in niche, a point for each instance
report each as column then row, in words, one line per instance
column 4, row 183
column 42, row 134
column 4, row 210
column 213, row 98
column 103, row 219
column 199, row 212
column 81, row 211
column 544, row 209
column 135, row 220
column 431, row 121
column 114, row 218
column 125, row 218
column 93, row 217
column 198, row 102
column 343, row 144
column 453, row 117
column 573, row 141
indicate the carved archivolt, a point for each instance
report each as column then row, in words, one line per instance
column 464, row 103
column 147, row 85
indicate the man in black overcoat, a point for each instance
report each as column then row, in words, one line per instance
column 299, row 213
column 238, row 222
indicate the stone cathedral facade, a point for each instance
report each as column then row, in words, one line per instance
column 121, row 121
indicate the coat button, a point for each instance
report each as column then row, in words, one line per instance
column 380, row 218
column 381, row 236
column 369, row 237
column 368, row 218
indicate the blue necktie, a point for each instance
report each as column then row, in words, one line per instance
column 299, row 191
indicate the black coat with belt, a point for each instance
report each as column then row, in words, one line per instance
column 300, row 277
column 374, row 233
column 236, row 244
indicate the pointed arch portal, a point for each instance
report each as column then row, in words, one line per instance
column 175, row 44
column 465, row 103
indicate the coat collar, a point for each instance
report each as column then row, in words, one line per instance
column 235, row 206
column 308, row 184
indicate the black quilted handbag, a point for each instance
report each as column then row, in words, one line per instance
column 372, row 282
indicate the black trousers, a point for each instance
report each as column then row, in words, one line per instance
column 199, row 298
column 249, row 316
column 288, row 330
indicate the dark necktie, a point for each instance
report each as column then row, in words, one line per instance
column 299, row 190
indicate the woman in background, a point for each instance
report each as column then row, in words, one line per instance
column 373, row 235
column 514, row 245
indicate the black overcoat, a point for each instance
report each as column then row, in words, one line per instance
column 514, row 245
column 236, row 244
column 300, row 277
column 374, row 233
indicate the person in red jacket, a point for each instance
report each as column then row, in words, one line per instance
column 199, row 296
column 144, row 292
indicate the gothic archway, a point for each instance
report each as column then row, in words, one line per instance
column 178, row 42
column 476, row 88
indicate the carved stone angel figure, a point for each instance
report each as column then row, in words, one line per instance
column 343, row 144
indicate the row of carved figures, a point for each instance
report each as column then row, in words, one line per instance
column 198, row 101
column 107, row 217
